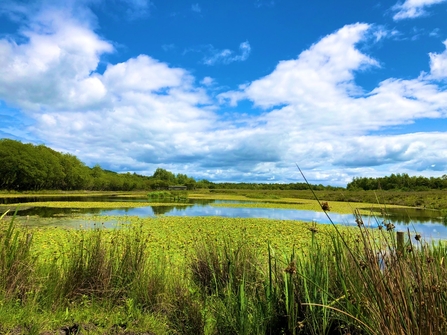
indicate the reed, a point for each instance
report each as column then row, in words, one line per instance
column 15, row 260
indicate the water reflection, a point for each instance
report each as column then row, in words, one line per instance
column 427, row 222
column 410, row 215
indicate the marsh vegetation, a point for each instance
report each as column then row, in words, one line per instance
column 219, row 276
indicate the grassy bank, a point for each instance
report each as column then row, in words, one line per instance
column 218, row 276
column 429, row 199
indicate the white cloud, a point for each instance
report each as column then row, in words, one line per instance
column 143, row 113
column 227, row 56
column 402, row 150
column 412, row 8
column 380, row 32
column 207, row 81
column 325, row 117
column 320, row 75
column 142, row 74
column 438, row 64
column 54, row 68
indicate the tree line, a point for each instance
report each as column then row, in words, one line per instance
column 270, row 186
column 398, row 181
column 28, row 167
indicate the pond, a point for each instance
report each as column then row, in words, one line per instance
column 426, row 222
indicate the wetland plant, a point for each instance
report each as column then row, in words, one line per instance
column 344, row 281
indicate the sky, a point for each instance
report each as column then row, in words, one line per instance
column 226, row 90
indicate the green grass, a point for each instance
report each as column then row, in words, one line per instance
column 426, row 199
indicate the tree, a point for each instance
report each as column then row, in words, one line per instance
column 164, row 175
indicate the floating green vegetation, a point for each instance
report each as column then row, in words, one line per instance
column 86, row 204
column 176, row 235
column 31, row 194
column 213, row 275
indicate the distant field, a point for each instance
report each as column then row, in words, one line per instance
column 435, row 199
column 428, row 199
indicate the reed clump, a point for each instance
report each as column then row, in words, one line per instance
column 15, row 260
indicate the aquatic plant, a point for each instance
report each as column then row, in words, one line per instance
column 214, row 275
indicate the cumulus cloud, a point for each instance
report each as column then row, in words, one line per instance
column 324, row 72
column 140, row 105
column 325, row 117
column 53, row 69
column 411, row 9
column 322, row 79
column 227, row 56
column 142, row 113
column 402, row 150
column 438, row 64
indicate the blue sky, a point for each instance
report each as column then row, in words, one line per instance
column 230, row 90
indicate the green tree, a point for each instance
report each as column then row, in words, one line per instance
column 164, row 175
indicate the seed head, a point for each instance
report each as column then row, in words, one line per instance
column 291, row 268
column 325, row 206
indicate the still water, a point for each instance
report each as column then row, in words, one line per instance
column 428, row 223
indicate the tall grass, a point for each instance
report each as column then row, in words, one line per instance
column 15, row 260
column 356, row 282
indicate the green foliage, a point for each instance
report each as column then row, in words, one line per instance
column 25, row 167
column 399, row 182
column 159, row 194
column 205, row 184
column 164, row 175
column 15, row 260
